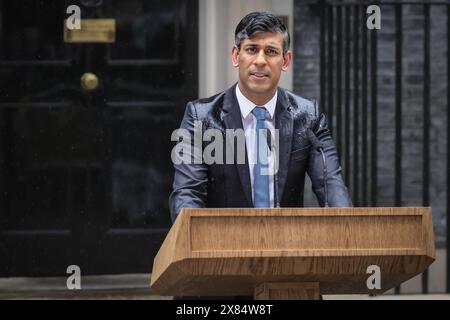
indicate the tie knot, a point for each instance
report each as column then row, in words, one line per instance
column 259, row 113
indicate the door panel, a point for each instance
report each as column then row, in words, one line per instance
column 85, row 175
column 140, row 175
column 31, row 31
column 148, row 30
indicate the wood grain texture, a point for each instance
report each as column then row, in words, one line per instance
column 232, row 251
column 287, row 291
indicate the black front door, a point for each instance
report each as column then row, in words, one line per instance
column 85, row 175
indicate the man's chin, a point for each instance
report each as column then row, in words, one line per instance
column 261, row 90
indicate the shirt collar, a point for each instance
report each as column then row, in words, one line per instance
column 247, row 106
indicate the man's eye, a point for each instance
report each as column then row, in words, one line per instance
column 251, row 50
column 271, row 52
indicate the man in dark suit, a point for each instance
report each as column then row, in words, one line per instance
column 256, row 104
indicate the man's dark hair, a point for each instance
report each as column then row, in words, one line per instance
column 261, row 22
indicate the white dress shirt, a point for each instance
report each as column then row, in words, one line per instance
column 249, row 124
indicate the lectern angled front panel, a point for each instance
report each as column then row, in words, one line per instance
column 232, row 251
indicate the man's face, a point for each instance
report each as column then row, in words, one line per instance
column 260, row 60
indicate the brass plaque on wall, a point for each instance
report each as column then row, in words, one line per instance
column 92, row 30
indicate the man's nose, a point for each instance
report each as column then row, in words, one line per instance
column 260, row 58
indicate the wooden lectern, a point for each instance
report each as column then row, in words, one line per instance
column 292, row 253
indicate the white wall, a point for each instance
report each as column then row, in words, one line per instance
column 217, row 22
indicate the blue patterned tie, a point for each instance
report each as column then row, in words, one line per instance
column 260, row 171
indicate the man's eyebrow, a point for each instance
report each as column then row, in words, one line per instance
column 270, row 46
column 273, row 46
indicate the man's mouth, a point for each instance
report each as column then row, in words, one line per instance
column 259, row 75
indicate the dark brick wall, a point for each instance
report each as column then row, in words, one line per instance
column 307, row 83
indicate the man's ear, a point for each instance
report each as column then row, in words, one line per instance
column 287, row 58
column 235, row 56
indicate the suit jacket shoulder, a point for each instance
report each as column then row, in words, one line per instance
column 299, row 102
column 208, row 107
column 301, row 108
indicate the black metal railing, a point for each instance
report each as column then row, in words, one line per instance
column 349, row 95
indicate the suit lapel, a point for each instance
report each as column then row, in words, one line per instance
column 233, row 120
column 284, row 123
